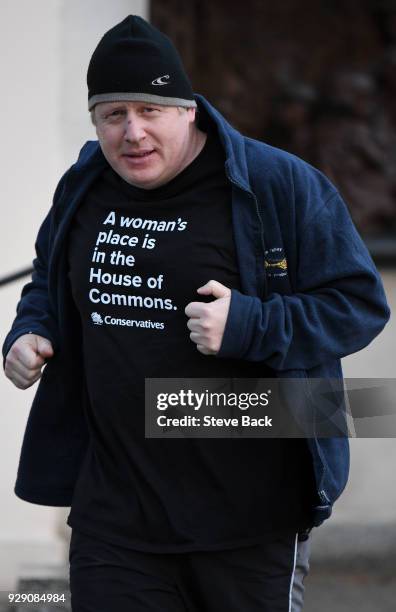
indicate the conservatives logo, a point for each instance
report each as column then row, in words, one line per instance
column 96, row 318
column 109, row 320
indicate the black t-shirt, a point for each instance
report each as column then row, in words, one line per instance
column 136, row 259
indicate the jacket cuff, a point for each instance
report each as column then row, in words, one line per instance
column 236, row 332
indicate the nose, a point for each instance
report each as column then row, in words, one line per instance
column 134, row 129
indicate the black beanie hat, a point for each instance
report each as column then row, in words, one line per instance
column 136, row 62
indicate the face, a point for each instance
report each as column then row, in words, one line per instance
column 146, row 144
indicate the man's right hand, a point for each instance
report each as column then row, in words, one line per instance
column 25, row 359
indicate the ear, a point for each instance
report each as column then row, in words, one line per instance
column 191, row 114
column 93, row 118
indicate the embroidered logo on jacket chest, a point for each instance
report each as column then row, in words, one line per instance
column 275, row 262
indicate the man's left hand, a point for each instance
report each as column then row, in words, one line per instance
column 207, row 321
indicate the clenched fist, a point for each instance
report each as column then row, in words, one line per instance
column 25, row 359
column 207, row 321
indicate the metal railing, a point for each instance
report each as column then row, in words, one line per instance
column 10, row 278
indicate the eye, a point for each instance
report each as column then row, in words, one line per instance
column 150, row 109
column 115, row 113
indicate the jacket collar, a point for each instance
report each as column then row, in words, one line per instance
column 233, row 143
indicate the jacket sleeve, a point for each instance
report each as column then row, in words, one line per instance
column 338, row 307
column 34, row 313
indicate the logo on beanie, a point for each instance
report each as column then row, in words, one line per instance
column 160, row 80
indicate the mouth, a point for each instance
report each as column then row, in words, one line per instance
column 139, row 154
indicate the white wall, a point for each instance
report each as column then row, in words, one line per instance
column 45, row 48
column 30, row 78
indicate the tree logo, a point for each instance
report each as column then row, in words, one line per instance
column 96, row 318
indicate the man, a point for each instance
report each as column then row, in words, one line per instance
column 175, row 247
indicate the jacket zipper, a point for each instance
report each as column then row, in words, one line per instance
column 263, row 288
